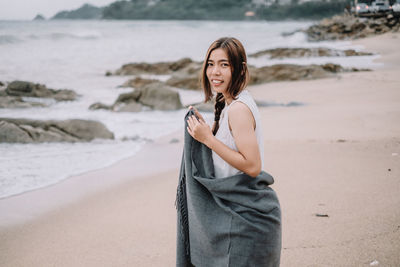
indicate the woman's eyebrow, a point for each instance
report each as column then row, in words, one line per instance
column 221, row 60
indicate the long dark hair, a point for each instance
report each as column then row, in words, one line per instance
column 240, row 73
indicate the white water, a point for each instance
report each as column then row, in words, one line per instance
column 76, row 55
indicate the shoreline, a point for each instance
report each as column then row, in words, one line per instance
column 337, row 155
column 78, row 187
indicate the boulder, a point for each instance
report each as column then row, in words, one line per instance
column 17, row 102
column 23, row 88
column 185, row 81
column 99, row 105
column 138, row 82
column 155, row 95
column 160, row 96
column 129, row 107
column 36, row 131
column 11, row 133
column 153, row 68
column 15, row 92
column 205, row 107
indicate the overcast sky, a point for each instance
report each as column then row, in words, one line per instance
column 28, row 9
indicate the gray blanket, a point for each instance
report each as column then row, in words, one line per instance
column 232, row 221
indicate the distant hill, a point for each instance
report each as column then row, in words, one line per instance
column 209, row 10
column 84, row 12
column 39, row 17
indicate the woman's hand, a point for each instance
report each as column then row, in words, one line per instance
column 197, row 113
column 199, row 129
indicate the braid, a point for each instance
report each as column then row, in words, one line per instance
column 219, row 106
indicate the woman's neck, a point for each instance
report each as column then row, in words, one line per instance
column 228, row 98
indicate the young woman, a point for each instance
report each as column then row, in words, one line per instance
column 227, row 213
column 236, row 137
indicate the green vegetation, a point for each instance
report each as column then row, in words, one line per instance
column 308, row 10
column 84, row 12
column 177, row 9
column 206, row 10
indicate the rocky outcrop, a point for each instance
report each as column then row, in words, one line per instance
column 185, row 80
column 159, row 68
column 13, row 95
column 37, row 131
column 350, row 27
column 154, row 95
column 185, row 73
column 307, row 52
column 291, row 72
column 138, row 82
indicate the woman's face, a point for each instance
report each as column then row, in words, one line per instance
column 219, row 72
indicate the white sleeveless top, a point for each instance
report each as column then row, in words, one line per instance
column 222, row 168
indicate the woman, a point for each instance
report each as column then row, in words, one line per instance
column 227, row 213
column 236, row 138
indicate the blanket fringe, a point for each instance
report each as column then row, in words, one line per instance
column 181, row 206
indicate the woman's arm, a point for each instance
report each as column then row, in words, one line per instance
column 247, row 158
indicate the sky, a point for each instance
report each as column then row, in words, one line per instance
column 28, row 9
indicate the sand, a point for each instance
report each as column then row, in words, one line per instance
column 337, row 155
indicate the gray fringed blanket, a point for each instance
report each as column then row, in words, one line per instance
column 233, row 221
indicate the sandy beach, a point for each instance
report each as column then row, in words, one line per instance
column 336, row 156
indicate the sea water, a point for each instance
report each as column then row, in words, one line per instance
column 76, row 55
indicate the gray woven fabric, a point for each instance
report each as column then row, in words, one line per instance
column 233, row 221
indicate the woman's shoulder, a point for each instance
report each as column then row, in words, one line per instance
column 239, row 110
column 242, row 100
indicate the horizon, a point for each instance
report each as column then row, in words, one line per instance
column 27, row 10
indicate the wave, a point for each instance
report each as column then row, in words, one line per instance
column 8, row 39
column 12, row 39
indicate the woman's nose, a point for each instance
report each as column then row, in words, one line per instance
column 216, row 70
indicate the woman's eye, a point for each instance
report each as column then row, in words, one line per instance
column 225, row 65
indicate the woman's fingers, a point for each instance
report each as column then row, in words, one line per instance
column 192, row 123
column 198, row 114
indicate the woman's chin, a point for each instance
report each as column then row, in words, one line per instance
column 218, row 89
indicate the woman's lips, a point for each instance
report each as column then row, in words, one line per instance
column 216, row 82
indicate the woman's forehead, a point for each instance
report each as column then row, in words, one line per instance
column 218, row 54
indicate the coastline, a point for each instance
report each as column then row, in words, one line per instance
column 77, row 187
column 330, row 156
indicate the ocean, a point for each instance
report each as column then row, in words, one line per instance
column 77, row 54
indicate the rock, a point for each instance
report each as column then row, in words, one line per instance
column 154, row 68
column 11, row 133
column 159, row 96
column 22, row 88
column 307, row 52
column 17, row 102
column 205, row 107
column 15, row 92
column 287, row 72
column 138, row 82
column 130, row 107
column 129, row 97
column 185, row 81
column 11, row 97
column 99, row 105
column 155, row 95
column 36, row 131
column 349, row 27
column 332, row 67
